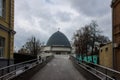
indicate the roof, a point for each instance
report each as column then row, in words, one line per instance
column 58, row 39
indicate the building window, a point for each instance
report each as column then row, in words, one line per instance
column 106, row 49
column 2, row 46
column 2, row 8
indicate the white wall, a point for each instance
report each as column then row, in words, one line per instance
column 60, row 49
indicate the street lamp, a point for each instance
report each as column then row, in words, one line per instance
column 78, row 46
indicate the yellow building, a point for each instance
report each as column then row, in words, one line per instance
column 106, row 55
column 6, row 32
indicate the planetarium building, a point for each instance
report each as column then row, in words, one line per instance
column 58, row 43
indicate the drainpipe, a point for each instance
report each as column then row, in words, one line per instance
column 113, row 51
column 10, row 26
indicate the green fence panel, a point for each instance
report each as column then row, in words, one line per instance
column 95, row 59
column 80, row 58
column 88, row 58
column 85, row 59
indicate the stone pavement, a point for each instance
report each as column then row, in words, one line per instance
column 60, row 68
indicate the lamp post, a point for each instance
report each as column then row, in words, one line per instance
column 34, row 45
column 78, row 45
column 92, row 48
column 93, row 37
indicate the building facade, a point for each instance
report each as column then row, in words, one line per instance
column 106, row 55
column 116, row 32
column 6, row 32
column 58, row 43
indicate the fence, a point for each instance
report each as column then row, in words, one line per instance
column 12, row 71
column 93, row 58
column 102, row 73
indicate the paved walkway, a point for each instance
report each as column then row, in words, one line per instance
column 60, row 68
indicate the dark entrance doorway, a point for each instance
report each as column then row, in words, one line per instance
column 58, row 52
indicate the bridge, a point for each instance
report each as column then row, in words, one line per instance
column 57, row 67
column 60, row 68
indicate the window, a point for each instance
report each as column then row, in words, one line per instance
column 106, row 49
column 2, row 8
column 2, row 46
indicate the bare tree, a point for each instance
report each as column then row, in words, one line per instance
column 86, row 37
column 33, row 45
column 94, row 34
column 102, row 39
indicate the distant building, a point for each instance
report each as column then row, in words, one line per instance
column 6, row 32
column 57, row 44
column 106, row 56
column 116, row 32
column 24, row 51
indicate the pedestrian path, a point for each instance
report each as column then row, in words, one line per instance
column 60, row 68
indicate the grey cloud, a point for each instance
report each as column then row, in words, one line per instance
column 92, row 7
column 42, row 19
column 22, row 36
column 105, row 24
column 64, row 16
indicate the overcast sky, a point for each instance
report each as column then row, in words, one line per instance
column 41, row 18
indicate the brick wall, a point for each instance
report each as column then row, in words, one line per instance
column 116, row 32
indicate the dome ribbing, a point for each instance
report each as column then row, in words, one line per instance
column 58, row 39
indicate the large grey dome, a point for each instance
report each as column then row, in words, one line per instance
column 58, row 39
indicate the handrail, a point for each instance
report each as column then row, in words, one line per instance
column 106, row 75
column 24, row 66
column 88, row 70
column 5, row 73
column 107, row 71
column 98, row 71
column 112, row 70
column 18, row 64
column 102, row 67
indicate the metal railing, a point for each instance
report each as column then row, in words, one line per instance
column 108, row 71
column 11, row 71
column 103, row 73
